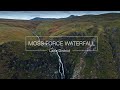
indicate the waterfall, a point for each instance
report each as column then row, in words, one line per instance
column 61, row 67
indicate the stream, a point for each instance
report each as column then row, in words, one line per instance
column 61, row 66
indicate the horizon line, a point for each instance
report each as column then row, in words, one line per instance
column 57, row 18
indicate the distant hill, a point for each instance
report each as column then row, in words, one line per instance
column 72, row 16
column 38, row 18
column 107, row 16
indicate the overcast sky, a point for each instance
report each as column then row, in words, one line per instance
column 47, row 14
